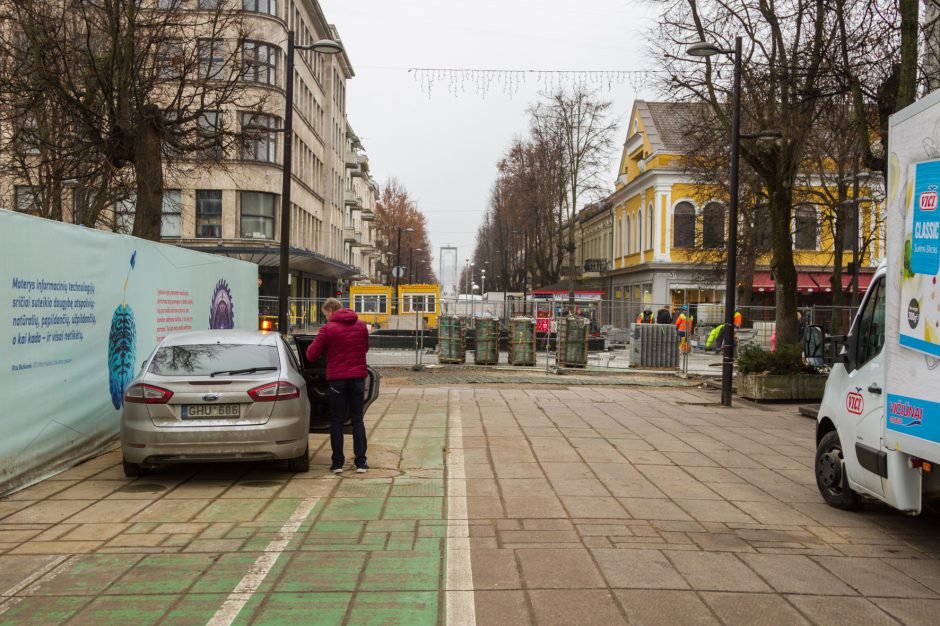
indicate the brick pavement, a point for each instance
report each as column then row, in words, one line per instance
column 579, row 505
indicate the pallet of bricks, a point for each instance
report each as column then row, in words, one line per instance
column 452, row 339
column 486, row 351
column 572, row 342
column 522, row 341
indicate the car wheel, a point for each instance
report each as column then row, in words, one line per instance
column 300, row 464
column 132, row 470
column 831, row 476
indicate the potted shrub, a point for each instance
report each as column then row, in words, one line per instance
column 778, row 375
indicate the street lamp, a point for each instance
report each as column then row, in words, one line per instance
column 411, row 264
column 323, row 46
column 397, row 271
column 708, row 49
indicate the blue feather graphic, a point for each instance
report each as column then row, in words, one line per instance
column 122, row 353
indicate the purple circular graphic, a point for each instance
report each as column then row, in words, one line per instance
column 221, row 310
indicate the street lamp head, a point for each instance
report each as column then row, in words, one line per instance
column 326, row 46
column 704, row 49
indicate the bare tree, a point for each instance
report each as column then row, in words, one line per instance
column 397, row 210
column 578, row 124
column 135, row 86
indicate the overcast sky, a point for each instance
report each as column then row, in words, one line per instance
column 443, row 147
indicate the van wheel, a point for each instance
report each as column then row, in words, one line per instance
column 132, row 470
column 831, row 477
column 300, row 464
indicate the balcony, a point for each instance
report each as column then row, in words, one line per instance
column 349, row 235
column 594, row 267
column 357, row 239
column 351, row 200
column 368, row 215
column 352, row 159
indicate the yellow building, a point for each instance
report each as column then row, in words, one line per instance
column 661, row 221
column 371, row 303
column 424, row 299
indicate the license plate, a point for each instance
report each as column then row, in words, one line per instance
column 191, row 411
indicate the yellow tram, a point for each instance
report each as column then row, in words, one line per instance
column 373, row 302
column 424, row 299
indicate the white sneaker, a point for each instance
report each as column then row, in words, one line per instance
column 336, row 470
column 362, row 470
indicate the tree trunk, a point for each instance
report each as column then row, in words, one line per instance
column 788, row 329
column 907, row 77
column 148, row 167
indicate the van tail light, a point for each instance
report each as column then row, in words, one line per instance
column 281, row 390
column 147, row 394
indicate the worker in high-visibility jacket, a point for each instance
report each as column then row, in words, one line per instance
column 646, row 317
column 715, row 338
column 684, row 323
column 738, row 319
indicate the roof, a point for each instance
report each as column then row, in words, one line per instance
column 668, row 124
column 193, row 337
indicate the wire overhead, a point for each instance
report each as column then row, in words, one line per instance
column 482, row 82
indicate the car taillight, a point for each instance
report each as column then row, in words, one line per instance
column 280, row 390
column 147, row 394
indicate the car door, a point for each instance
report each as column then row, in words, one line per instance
column 318, row 389
column 864, row 397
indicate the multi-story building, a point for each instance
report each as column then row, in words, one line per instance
column 593, row 245
column 662, row 221
column 360, row 197
column 232, row 206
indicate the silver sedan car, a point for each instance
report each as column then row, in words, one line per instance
column 217, row 395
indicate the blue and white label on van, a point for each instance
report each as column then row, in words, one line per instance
column 925, row 235
column 915, row 417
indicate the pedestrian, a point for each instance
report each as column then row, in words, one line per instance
column 345, row 340
column 663, row 316
column 715, row 338
column 646, row 317
column 684, row 323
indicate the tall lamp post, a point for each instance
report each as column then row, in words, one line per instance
column 323, row 46
column 706, row 49
column 411, row 263
column 397, row 271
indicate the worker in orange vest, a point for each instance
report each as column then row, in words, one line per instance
column 738, row 319
column 646, row 317
column 684, row 322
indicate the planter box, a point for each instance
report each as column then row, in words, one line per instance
column 781, row 386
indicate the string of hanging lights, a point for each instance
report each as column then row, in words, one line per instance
column 459, row 81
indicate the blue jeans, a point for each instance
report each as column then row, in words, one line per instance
column 347, row 399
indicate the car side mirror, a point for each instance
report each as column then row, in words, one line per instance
column 814, row 343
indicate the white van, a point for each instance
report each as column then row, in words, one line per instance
column 878, row 427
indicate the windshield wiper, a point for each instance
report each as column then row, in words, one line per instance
column 247, row 370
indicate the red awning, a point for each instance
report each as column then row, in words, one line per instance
column 811, row 282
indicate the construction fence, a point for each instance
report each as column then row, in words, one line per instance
column 411, row 338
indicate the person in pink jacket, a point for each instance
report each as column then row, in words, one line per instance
column 345, row 340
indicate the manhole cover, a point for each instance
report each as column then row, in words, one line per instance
column 142, row 487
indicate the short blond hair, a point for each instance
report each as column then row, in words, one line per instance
column 331, row 304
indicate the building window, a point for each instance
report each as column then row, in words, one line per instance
column 806, row 227
column 629, row 236
column 211, row 58
column 259, row 62
column 208, row 5
column 649, row 227
column 418, row 303
column 209, row 132
column 713, row 225
column 171, row 59
column 683, row 226
column 209, row 213
column 26, row 200
column 124, row 212
column 171, row 216
column 257, row 213
column 639, row 230
column 258, row 143
column 260, row 6
column 370, row 303
column 169, row 4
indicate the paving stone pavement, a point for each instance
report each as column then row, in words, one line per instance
column 488, row 505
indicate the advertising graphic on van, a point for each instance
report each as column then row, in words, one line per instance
column 919, row 291
column 854, row 402
column 914, row 416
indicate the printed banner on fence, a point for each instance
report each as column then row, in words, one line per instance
column 81, row 309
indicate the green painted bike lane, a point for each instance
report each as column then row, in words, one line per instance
column 370, row 551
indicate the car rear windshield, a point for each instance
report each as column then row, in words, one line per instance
column 206, row 359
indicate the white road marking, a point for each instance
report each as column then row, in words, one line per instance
column 259, row 570
column 7, row 601
column 458, row 583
